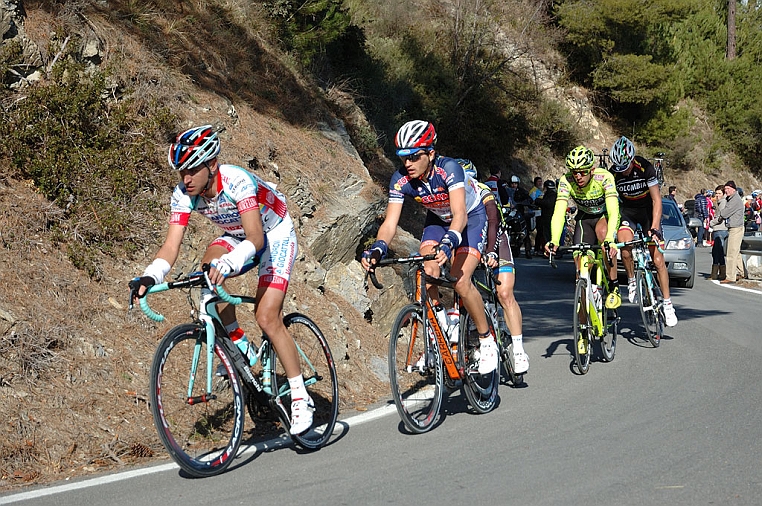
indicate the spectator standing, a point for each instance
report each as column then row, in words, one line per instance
column 719, row 235
column 536, row 193
column 520, row 199
column 732, row 215
column 500, row 189
column 700, row 212
column 546, row 203
column 672, row 195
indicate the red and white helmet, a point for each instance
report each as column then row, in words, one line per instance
column 414, row 136
column 193, row 147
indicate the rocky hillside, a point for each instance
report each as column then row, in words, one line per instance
column 73, row 361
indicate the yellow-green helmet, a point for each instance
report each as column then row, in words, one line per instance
column 580, row 158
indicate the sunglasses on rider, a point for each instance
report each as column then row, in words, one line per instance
column 581, row 172
column 414, row 157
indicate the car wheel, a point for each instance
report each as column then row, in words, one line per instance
column 688, row 283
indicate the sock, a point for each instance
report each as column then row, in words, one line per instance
column 630, row 281
column 298, row 391
column 668, row 302
column 518, row 343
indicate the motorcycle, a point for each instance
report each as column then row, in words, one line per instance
column 516, row 226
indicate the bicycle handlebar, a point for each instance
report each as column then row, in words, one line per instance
column 193, row 279
column 403, row 260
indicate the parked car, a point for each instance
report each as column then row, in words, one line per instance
column 679, row 250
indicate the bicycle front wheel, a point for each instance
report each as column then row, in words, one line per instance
column 480, row 389
column 415, row 371
column 319, row 372
column 650, row 310
column 583, row 328
column 201, row 430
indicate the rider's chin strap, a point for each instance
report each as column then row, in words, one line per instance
column 209, row 181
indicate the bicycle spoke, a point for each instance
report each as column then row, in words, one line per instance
column 202, row 436
column 582, row 328
column 415, row 372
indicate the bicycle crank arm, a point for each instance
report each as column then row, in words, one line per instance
column 201, row 398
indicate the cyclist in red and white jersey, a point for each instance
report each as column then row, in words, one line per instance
column 455, row 227
column 257, row 230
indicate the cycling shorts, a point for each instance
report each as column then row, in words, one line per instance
column 277, row 259
column 473, row 237
column 584, row 230
column 631, row 218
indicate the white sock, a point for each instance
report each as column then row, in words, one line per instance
column 668, row 302
column 630, row 281
column 298, row 391
column 518, row 343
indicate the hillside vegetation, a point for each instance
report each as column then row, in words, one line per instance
column 309, row 94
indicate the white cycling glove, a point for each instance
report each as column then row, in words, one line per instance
column 232, row 263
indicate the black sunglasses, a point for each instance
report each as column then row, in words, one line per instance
column 414, row 157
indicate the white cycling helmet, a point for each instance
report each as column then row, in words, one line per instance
column 515, row 179
column 621, row 154
column 414, row 136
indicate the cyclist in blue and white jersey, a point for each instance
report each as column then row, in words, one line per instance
column 455, row 227
column 257, row 230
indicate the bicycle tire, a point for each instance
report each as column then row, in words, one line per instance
column 582, row 328
column 319, row 373
column 417, row 391
column 608, row 341
column 202, row 437
column 649, row 309
column 479, row 389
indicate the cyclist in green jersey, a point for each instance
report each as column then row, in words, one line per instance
column 597, row 220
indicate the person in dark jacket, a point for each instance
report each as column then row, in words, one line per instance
column 546, row 203
column 701, row 211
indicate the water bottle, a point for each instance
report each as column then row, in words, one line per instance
column 239, row 339
column 597, row 296
column 441, row 315
column 453, row 324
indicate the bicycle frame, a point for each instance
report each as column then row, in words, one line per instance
column 587, row 261
column 212, row 327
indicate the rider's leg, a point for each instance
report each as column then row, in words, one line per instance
column 512, row 314
column 463, row 266
column 625, row 234
column 661, row 273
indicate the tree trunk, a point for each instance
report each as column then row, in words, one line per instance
column 731, row 49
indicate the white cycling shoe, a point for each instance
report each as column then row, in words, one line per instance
column 669, row 315
column 632, row 292
column 520, row 362
column 301, row 415
column 487, row 355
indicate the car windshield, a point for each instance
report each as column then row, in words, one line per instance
column 671, row 216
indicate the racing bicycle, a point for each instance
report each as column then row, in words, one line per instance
column 650, row 299
column 201, row 383
column 592, row 321
column 422, row 363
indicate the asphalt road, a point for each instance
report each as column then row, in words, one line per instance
column 678, row 425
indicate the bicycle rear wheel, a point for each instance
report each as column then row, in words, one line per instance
column 582, row 328
column 319, row 372
column 650, row 310
column 201, row 432
column 480, row 389
column 415, row 371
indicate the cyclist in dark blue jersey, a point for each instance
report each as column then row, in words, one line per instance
column 455, row 227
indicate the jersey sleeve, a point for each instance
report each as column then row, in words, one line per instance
column 558, row 220
column 612, row 207
column 180, row 207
